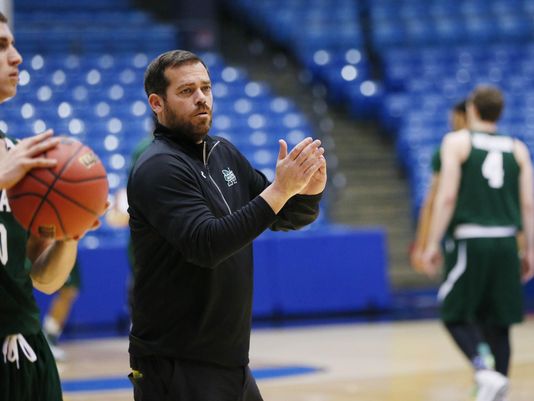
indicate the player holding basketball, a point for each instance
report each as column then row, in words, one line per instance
column 27, row 367
column 196, row 205
column 485, row 196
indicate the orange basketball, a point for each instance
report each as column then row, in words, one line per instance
column 64, row 201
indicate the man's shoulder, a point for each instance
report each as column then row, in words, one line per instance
column 460, row 139
column 159, row 155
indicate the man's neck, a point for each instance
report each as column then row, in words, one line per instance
column 484, row 126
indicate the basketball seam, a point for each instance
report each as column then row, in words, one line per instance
column 100, row 177
column 44, row 198
column 38, row 195
column 58, row 192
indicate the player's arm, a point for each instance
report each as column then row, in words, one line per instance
column 52, row 262
column 423, row 225
column 527, row 204
column 454, row 150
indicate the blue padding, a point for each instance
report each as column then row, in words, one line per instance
column 328, row 269
column 332, row 270
column 102, row 299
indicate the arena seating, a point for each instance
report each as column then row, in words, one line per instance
column 429, row 55
column 327, row 38
column 86, row 80
column 433, row 54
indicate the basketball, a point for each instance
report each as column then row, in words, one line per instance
column 64, row 201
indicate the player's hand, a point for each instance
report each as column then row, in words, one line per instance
column 527, row 266
column 24, row 156
column 431, row 260
column 416, row 258
column 95, row 226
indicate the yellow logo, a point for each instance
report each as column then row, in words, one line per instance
column 88, row 159
column 47, row 231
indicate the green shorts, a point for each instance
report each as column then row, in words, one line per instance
column 482, row 282
column 32, row 381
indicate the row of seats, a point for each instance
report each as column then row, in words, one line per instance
column 429, row 57
column 327, row 38
column 434, row 22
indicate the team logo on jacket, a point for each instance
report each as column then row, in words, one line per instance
column 229, row 176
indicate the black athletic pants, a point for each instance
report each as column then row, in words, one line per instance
column 468, row 336
column 167, row 379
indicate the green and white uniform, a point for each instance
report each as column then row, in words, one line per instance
column 482, row 269
column 27, row 369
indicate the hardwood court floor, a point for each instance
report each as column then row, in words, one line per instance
column 409, row 361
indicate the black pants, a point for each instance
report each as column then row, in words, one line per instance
column 469, row 335
column 168, row 379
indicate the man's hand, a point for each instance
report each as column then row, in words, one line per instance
column 295, row 170
column 317, row 181
column 24, row 156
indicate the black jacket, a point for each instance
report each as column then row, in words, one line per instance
column 194, row 211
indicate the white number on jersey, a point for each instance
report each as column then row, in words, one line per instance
column 3, row 245
column 493, row 170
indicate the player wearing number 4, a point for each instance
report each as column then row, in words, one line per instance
column 27, row 367
column 484, row 198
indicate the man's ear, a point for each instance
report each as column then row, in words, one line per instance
column 156, row 103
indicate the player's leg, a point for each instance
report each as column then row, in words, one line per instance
column 505, row 301
column 470, row 340
column 461, row 294
column 59, row 311
column 498, row 338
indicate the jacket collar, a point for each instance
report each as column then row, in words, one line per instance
column 184, row 142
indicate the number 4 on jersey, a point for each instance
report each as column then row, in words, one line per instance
column 492, row 169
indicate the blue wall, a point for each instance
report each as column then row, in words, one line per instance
column 328, row 270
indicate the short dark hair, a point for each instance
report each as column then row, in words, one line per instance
column 460, row 107
column 488, row 101
column 3, row 18
column 155, row 80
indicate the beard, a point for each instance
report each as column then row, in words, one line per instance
column 196, row 132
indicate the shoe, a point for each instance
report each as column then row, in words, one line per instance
column 57, row 352
column 492, row 385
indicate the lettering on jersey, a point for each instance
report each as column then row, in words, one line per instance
column 229, row 176
column 493, row 143
column 88, row 159
column 3, row 244
column 4, row 203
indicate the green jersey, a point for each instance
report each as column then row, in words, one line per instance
column 436, row 161
column 489, row 188
column 18, row 309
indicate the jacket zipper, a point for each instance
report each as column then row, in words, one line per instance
column 206, row 158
